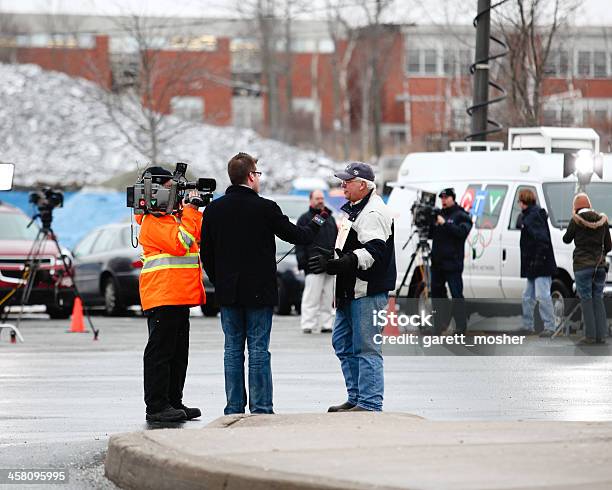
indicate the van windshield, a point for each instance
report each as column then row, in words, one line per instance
column 560, row 195
column 14, row 226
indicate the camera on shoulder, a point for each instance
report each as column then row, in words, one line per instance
column 149, row 196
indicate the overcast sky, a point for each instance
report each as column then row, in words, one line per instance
column 592, row 12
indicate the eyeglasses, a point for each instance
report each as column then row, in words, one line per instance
column 347, row 182
column 256, row 173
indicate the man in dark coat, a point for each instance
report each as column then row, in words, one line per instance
column 537, row 263
column 239, row 255
column 448, row 235
column 318, row 296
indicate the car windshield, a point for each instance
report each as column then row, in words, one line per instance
column 293, row 208
column 14, row 226
column 282, row 247
column 560, row 196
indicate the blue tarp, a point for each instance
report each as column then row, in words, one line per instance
column 82, row 212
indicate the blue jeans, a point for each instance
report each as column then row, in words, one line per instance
column 253, row 326
column 360, row 358
column 538, row 290
column 589, row 286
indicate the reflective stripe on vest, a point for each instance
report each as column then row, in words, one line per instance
column 167, row 261
column 186, row 238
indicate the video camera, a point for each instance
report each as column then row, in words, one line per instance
column 424, row 212
column 148, row 197
column 46, row 200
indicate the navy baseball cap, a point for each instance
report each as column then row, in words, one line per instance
column 449, row 191
column 356, row 169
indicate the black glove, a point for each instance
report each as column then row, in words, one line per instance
column 346, row 262
column 318, row 263
column 318, row 221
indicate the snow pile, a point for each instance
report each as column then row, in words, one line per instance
column 56, row 130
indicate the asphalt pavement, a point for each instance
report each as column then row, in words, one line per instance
column 64, row 394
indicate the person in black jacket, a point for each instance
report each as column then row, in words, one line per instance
column 318, row 296
column 448, row 235
column 238, row 252
column 590, row 232
column 537, row 263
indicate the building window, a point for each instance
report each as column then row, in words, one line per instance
column 557, row 63
column 549, row 117
column 563, row 63
column 584, row 63
column 188, row 108
column 567, row 117
column 304, row 104
column 599, row 64
column 414, row 62
column 449, row 63
column 460, row 120
column 430, row 61
column 465, row 60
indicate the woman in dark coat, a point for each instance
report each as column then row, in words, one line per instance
column 591, row 235
column 537, row 263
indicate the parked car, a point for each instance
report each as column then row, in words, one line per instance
column 107, row 268
column 52, row 286
column 289, row 278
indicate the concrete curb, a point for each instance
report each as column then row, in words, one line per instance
column 364, row 451
column 134, row 461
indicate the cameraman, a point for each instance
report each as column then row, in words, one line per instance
column 449, row 233
column 170, row 283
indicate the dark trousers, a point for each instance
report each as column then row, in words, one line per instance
column 439, row 279
column 165, row 357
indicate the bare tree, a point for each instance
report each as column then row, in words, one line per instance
column 529, row 28
column 146, row 77
column 374, row 38
column 343, row 37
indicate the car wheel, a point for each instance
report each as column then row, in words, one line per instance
column 284, row 304
column 59, row 312
column 210, row 310
column 112, row 302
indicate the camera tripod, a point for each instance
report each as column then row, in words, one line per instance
column 32, row 268
column 424, row 250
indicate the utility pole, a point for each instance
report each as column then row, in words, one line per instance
column 481, row 73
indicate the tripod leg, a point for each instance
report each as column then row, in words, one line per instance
column 403, row 283
column 31, row 265
column 70, row 273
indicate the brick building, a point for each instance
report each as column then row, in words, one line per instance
column 425, row 84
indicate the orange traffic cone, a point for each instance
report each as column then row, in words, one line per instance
column 77, row 325
column 391, row 330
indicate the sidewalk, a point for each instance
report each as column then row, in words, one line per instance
column 364, row 451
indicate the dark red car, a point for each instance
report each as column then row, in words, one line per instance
column 52, row 287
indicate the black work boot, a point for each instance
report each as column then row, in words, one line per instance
column 168, row 414
column 191, row 413
column 341, row 408
column 357, row 408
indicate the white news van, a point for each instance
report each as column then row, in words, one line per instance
column 487, row 184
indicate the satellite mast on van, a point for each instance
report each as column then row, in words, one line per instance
column 478, row 111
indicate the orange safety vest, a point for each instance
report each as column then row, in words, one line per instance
column 171, row 272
